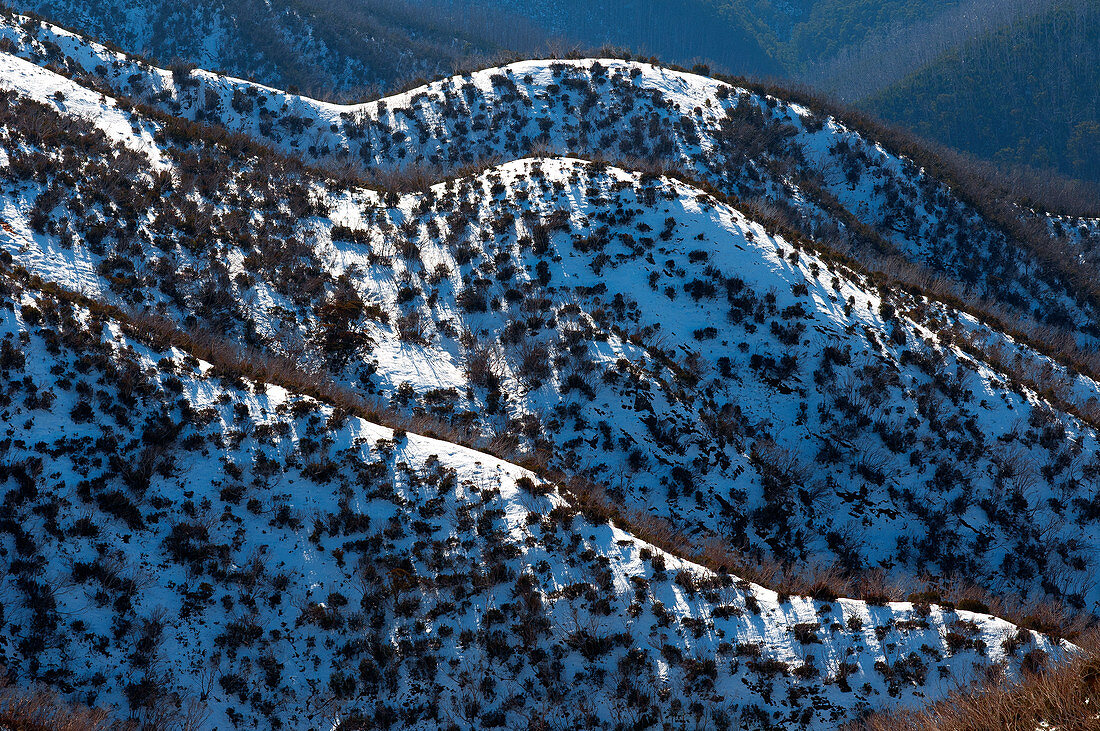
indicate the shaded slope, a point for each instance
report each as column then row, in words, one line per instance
column 1025, row 94
column 677, row 31
column 332, row 48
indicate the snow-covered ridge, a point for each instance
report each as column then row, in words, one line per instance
column 264, row 551
column 563, row 304
column 187, row 542
column 69, row 98
column 741, row 142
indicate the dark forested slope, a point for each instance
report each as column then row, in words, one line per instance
column 1025, row 94
column 325, row 47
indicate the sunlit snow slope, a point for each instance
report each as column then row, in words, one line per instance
column 235, row 540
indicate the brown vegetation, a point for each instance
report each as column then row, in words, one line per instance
column 1065, row 697
column 40, row 710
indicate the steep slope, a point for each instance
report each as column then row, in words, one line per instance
column 1025, row 94
column 820, row 177
column 219, row 509
column 623, row 328
column 206, row 551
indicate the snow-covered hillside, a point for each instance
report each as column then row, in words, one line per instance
column 818, row 175
column 192, row 547
column 625, row 328
column 238, row 540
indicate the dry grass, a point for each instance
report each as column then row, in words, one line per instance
column 39, row 710
column 1065, row 697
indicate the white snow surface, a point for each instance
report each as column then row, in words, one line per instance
column 311, row 576
column 263, row 558
column 70, row 98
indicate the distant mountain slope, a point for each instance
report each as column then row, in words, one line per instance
column 908, row 37
column 677, row 31
column 802, row 33
column 326, row 47
column 1027, row 94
